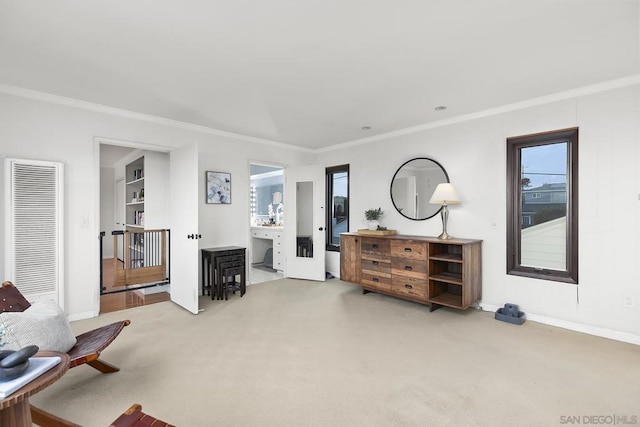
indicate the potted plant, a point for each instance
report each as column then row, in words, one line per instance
column 373, row 216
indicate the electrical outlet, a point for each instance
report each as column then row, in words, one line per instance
column 627, row 301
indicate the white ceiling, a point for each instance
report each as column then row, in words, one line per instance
column 313, row 72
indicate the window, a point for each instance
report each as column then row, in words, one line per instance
column 338, row 205
column 542, row 234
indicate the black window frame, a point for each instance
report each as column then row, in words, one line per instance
column 514, row 205
column 329, row 172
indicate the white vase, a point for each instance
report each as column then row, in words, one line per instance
column 373, row 224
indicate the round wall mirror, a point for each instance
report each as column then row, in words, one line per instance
column 412, row 186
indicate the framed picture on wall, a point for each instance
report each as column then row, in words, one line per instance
column 218, row 187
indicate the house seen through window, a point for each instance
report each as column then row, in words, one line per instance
column 542, row 207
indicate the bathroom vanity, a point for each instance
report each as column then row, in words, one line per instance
column 264, row 238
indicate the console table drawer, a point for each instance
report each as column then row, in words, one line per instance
column 409, row 267
column 410, row 286
column 382, row 282
column 409, row 249
column 375, row 246
column 376, row 265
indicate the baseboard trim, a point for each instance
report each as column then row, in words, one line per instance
column 82, row 316
column 577, row 327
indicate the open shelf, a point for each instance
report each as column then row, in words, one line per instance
column 448, row 257
column 450, row 300
column 448, row 277
column 136, row 181
column 134, row 193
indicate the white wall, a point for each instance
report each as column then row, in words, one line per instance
column 473, row 153
column 33, row 129
column 228, row 224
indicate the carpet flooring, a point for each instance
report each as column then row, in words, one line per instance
column 300, row 353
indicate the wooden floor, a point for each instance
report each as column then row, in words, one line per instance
column 122, row 300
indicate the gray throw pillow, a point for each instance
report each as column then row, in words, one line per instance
column 43, row 324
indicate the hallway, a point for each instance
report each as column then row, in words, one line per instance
column 122, row 300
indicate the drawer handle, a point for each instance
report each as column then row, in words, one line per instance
column 408, row 286
column 374, row 262
column 375, row 246
column 408, row 267
column 375, row 279
column 407, row 249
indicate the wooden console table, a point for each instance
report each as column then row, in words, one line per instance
column 15, row 410
column 426, row 270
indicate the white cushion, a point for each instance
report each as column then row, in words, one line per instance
column 43, row 324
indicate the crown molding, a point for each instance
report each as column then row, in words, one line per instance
column 547, row 99
column 119, row 112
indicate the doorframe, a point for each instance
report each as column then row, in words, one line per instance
column 95, row 225
column 119, row 189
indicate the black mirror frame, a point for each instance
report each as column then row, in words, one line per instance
column 394, row 177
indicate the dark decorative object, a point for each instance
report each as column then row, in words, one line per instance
column 15, row 371
column 509, row 313
column 15, row 363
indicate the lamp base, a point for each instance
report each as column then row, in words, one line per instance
column 444, row 213
column 444, row 236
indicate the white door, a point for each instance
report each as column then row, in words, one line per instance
column 304, row 223
column 184, row 226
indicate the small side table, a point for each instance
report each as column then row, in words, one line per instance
column 14, row 409
column 211, row 258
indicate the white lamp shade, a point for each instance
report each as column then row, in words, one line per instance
column 277, row 198
column 445, row 194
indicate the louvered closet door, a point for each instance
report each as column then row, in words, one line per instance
column 33, row 249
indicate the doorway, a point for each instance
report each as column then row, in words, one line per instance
column 266, row 222
column 113, row 180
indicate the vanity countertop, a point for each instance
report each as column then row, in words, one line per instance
column 268, row 227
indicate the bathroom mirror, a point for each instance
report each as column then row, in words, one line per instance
column 412, row 186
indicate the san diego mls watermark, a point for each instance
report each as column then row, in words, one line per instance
column 612, row 420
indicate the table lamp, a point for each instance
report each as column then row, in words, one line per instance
column 444, row 195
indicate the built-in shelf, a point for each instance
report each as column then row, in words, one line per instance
column 134, row 193
column 136, row 181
